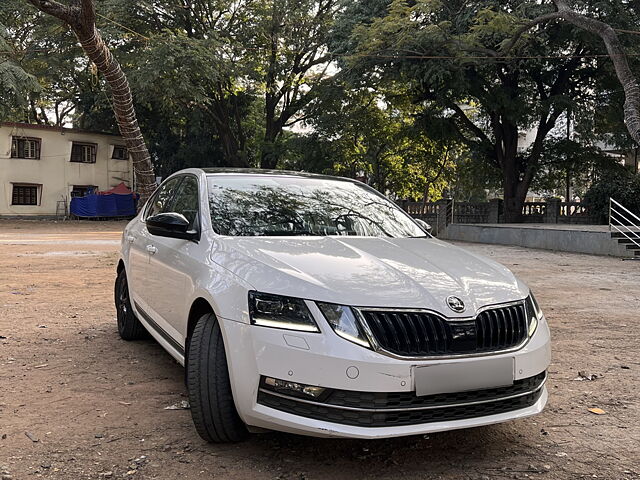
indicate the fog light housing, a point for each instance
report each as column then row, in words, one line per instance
column 293, row 388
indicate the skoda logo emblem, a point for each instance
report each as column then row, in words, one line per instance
column 455, row 304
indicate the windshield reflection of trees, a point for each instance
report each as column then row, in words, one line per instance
column 303, row 210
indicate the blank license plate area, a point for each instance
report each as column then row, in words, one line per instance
column 463, row 376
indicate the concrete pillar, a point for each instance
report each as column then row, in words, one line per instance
column 495, row 207
column 444, row 214
column 552, row 213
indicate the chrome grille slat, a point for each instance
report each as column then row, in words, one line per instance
column 422, row 333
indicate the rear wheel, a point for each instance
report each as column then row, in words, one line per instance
column 212, row 408
column 129, row 327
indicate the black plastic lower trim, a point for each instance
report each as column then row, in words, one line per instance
column 163, row 333
column 397, row 409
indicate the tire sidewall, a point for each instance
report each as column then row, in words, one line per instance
column 212, row 404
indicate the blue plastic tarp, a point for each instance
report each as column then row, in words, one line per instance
column 104, row 206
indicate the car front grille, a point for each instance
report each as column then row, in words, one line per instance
column 378, row 409
column 420, row 333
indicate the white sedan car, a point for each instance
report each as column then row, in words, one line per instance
column 313, row 305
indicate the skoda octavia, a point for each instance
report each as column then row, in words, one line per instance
column 313, row 305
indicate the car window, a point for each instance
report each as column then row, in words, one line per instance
column 161, row 200
column 186, row 200
column 271, row 205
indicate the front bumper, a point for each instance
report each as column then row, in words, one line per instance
column 327, row 360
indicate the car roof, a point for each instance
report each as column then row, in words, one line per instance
column 266, row 172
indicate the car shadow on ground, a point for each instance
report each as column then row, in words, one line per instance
column 475, row 449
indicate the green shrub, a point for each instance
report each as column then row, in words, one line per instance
column 622, row 186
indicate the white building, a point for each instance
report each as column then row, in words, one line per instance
column 44, row 166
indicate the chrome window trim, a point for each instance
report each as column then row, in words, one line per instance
column 413, row 409
column 378, row 349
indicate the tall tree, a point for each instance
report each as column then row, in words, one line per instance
column 449, row 56
column 50, row 52
column 80, row 16
column 198, row 59
column 580, row 18
column 365, row 137
column 292, row 43
column 16, row 85
column 250, row 65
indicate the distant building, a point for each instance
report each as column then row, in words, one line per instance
column 628, row 158
column 43, row 167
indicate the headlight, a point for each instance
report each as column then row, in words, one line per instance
column 534, row 313
column 280, row 312
column 344, row 323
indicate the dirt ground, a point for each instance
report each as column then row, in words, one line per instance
column 76, row 402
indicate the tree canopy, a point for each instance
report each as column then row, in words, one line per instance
column 447, row 58
column 419, row 98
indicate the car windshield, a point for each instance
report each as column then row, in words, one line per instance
column 270, row 205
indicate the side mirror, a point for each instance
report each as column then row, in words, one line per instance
column 172, row 225
column 424, row 225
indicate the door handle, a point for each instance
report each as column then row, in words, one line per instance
column 151, row 249
column 130, row 238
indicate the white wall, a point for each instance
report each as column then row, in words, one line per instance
column 54, row 171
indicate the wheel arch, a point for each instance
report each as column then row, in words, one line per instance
column 199, row 307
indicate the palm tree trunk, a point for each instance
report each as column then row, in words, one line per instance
column 101, row 56
column 81, row 17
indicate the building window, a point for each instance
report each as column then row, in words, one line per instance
column 120, row 153
column 82, row 190
column 83, row 152
column 25, row 147
column 25, row 195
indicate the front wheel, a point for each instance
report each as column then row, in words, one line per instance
column 129, row 327
column 212, row 409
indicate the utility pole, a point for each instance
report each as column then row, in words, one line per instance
column 567, row 197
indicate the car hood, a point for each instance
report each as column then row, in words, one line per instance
column 368, row 271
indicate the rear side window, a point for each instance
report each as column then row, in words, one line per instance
column 161, row 200
column 186, row 200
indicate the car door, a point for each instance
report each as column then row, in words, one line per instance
column 174, row 262
column 140, row 244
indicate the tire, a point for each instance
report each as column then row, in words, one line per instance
column 129, row 327
column 212, row 408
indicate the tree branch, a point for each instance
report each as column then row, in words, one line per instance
column 469, row 124
column 614, row 49
column 526, row 27
column 66, row 13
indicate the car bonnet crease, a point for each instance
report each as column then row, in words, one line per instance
column 368, row 271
